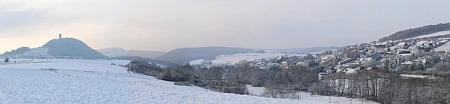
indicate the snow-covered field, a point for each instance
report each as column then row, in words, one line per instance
column 257, row 91
column 99, row 82
column 433, row 35
column 236, row 58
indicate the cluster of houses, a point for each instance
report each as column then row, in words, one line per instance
column 400, row 55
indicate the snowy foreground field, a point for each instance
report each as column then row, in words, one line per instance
column 99, row 82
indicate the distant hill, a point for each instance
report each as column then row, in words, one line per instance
column 73, row 48
column 184, row 55
column 116, row 52
column 113, row 52
column 308, row 50
column 154, row 61
column 20, row 50
column 419, row 31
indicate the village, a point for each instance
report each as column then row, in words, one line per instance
column 403, row 56
column 398, row 56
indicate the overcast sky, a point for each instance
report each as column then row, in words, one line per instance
column 163, row 25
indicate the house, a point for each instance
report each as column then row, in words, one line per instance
column 322, row 75
column 303, row 63
column 441, row 42
column 346, row 61
column 284, row 64
column 365, row 61
column 403, row 51
column 407, row 65
column 272, row 64
column 414, row 50
column 384, row 44
column 445, row 48
column 402, row 45
column 403, row 57
column 381, row 45
column 327, row 58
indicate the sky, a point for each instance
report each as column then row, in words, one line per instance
column 164, row 25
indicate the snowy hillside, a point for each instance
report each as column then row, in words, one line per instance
column 57, row 48
column 433, row 35
column 236, row 58
column 101, row 82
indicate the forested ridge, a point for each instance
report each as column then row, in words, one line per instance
column 419, row 31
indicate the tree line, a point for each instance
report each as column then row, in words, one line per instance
column 278, row 81
column 386, row 88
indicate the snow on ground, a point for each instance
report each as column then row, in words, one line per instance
column 257, row 91
column 433, row 35
column 100, row 82
column 417, row 76
column 236, row 58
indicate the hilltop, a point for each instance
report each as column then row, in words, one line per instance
column 72, row 47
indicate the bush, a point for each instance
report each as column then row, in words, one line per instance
column 144, row 68
column 167, row 76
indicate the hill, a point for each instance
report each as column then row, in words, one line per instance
column 184, row 55
column 113, row 52
column 116, row 52
column 148, row 60
column 20, row 50
column 416, row 32
column 73, row 48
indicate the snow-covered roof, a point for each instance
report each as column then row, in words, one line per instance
column 407, row 63
column 401, row 44
column 382, row 43
column 328, row 57
column 445, row 47
column 421, row 42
